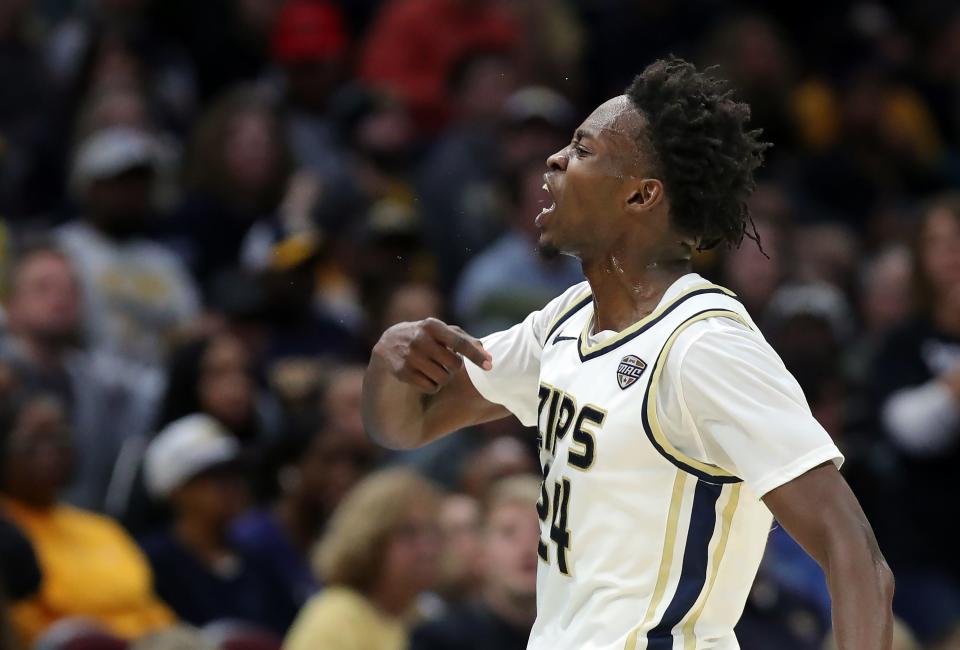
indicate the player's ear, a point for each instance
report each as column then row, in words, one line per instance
column 647, row 193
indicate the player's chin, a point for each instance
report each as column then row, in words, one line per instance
column 547, row 247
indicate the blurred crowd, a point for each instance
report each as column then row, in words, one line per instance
column 210, row 210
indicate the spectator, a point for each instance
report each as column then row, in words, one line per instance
column 810, row 325
column 916, row 380
column 414, row 45
column 313, row 475
column 341, row 402
column 137, row 296
column 212, row 375
column 459, row 179
column 192, row 465
column 379, row 552
column 827, row 252
column 112, row 42
column 410, row 302
column 503, row 615
column 396, row 273
column 107, row 401
column 754, row 274
column 889, row 147
column 75, row 548
column 496, row 459
column 510, row 279
column 236, row 52
column 940, row 64
column 886, row 300
column 310, row 43
column 755, row 58
column 237, row 169
column 300, row 325
column 460, row 569
column 215, row 375
column 887, row 295
column 376, row 149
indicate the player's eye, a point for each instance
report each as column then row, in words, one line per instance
column 580, row 151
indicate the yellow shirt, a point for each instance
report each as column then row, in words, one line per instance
column 342, row 619
column 91, row 568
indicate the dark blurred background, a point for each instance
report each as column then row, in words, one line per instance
column 211, row 209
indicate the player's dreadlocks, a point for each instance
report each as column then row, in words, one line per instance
column 704, row 152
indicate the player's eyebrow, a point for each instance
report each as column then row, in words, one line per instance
column 582, row 134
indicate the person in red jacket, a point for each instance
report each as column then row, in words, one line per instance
column 414, row 44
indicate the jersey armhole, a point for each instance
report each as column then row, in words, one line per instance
column 652, row 428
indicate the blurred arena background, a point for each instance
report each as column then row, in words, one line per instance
column 211, row 209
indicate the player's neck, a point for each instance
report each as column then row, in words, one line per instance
column 627, row 289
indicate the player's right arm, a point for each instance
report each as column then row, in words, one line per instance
column 416, row 388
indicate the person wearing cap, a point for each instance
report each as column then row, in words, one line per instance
column 310, row 43
column 915, row 388
column 90, row 567
column 288, row 263
column 193, row 466
column 137, row 294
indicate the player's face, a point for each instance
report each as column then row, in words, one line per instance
column 590, row 181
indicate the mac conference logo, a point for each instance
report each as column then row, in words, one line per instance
column 629, row 370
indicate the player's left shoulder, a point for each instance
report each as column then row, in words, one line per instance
column 720, row 340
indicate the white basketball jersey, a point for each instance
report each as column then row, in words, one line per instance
column 642, row 546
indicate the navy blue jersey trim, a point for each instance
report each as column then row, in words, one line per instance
column 586, row 300
column 693, row 571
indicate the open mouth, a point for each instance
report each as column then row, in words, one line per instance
column 540, row 220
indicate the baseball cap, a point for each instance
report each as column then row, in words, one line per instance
column 110, row 152
column 814, row 299
column 184, row 449
column 277, row 248
column 308, row 30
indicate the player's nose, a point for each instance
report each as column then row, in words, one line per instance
column 558, row 161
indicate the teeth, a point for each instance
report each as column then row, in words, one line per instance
column 545, row 188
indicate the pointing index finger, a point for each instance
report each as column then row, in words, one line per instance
column 462, row 343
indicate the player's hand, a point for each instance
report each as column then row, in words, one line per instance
column 426, row 354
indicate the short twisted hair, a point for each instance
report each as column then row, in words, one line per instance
column 702, row 149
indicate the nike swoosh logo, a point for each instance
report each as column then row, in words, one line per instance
column 563, row 338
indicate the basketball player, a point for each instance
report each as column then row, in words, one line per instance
column 669, row 430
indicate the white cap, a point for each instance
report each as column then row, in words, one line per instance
column 185, row 448
column 111, row 151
